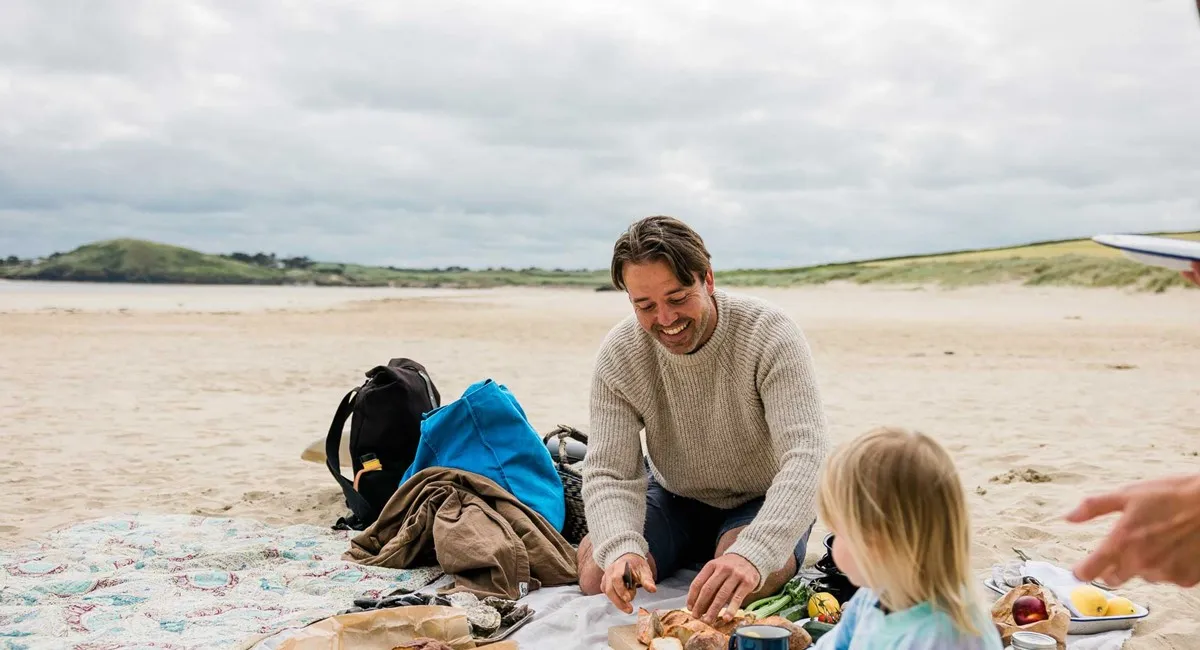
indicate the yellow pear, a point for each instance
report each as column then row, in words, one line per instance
column 1089, row 600
column 1120, row 606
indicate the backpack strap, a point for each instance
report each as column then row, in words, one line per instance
column 333, row 442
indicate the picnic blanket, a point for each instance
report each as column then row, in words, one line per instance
column 180, row 582
column 568, row 619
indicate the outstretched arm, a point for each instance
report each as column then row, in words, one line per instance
column 796, row 417
column 614, row 484
column 1157, row 537
column 792, row 408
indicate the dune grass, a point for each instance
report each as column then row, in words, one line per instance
column 1066, row 270
column 1074, row 262
column 1036, row 250
column 1080, row 262
column 358, row 275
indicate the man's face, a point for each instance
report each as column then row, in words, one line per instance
column 680, row 317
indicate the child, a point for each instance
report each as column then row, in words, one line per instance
column 896, row 508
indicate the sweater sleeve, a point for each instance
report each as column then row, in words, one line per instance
column 792, row 406
column 614, row 478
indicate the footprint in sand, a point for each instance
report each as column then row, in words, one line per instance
column 1027, row 475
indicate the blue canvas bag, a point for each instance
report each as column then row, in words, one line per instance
column 486, row 432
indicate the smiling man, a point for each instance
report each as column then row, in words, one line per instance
column 735, row 433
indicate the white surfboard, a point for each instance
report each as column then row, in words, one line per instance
column 1170, row 253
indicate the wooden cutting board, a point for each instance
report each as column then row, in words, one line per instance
column 624, row 637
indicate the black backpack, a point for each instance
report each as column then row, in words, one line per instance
column 385, row 426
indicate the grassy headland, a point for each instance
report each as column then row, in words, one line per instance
column 1069, row 262
column 1078, row 262
column 134, row 260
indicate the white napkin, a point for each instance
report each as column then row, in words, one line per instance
column 1114, row 640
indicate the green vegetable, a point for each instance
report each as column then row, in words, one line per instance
column 817, row 629
column 795, row 593
column 795, row 612
column 758, row 604
column 799, row 590
column 768, row 606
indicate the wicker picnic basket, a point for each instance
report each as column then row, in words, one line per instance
column 575, row 526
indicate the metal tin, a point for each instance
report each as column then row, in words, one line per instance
column 1024, row 640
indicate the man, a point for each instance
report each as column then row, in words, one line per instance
column 1157, row 537
column 735, row 433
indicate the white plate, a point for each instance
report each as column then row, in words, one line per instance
column 1091, row 624
column 1177, row 254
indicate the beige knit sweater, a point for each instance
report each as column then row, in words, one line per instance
column 739, row 418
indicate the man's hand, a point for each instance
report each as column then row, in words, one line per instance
column 614, row 582
column 1192, row 275
column 1157, row 537
column 723, row 583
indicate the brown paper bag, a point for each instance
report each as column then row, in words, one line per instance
column 1055, row 626
column 384, row 629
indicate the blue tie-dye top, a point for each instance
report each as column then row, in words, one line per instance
column 865, row 626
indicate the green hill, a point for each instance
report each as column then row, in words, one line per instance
column 1071, row 262
column 1035, row 250
column 1076, row 262
column 134, row 260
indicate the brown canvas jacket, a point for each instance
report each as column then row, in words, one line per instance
column 493, row 544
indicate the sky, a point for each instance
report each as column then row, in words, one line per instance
column 531, row 133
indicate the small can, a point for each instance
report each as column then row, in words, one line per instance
column 1025, row 640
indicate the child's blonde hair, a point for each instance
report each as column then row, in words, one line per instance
column 894, row 496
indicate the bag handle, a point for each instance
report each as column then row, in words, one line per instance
column 566, row 430
column 563, row 432
column 333, row 443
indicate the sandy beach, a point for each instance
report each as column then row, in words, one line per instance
column 200, row 399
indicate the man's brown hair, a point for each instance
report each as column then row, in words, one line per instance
column 661, row 238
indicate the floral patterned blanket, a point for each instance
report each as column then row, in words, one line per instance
column 180, row 582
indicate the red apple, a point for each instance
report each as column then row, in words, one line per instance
column 1029, row 609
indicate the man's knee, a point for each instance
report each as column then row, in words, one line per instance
column 590, row 575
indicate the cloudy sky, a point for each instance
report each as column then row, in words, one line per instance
column 531, row 132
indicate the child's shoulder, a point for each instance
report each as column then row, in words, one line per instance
column 923, row 627
column 939, row 628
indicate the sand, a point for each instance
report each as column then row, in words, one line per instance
column 200, row 399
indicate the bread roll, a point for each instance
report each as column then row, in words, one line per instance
column 727, row 627
column 645, row 626
column 676, row 617
column 707, row 641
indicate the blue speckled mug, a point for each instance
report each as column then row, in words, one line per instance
column 759, row 637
